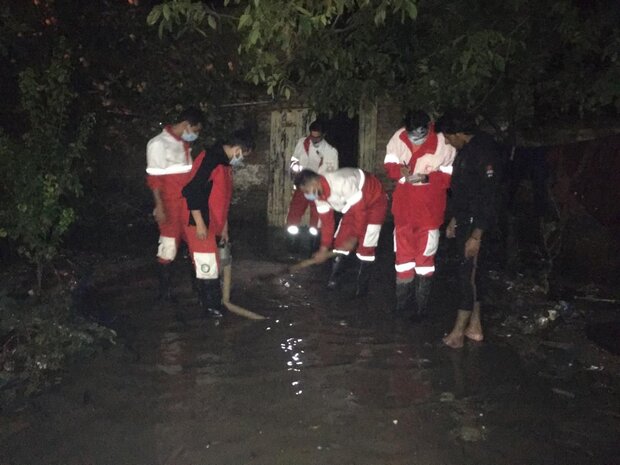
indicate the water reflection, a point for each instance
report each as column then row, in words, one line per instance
column 291, row 347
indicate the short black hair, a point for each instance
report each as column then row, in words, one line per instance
column 455, row 121
column 241, row 138
column 415, row 119
column 193, row 116
column 304, row 177
column 316, row 126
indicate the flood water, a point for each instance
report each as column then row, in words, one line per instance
column 326, row 379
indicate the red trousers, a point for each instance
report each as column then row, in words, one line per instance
column 204, row 253
column 172, row 231
column 298, row 207
column 415, row 249
column 362, row 222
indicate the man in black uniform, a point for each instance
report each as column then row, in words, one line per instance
column 472, row 210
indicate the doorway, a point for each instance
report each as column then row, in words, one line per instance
column 342, row 132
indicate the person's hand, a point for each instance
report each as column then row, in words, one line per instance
column 321, row 255
column 451, row 229
column 201, row 231
column 472, row 247
column 417, row 178
column 159, row 214
column 405, row 171
column 224, row 237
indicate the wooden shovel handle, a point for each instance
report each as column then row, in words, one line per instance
column 306, row 263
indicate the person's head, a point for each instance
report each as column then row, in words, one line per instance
column 238, row 147
column 189, row 124
column 457, row 127
column 417, row 125
column 309, row 183
column 316, row 132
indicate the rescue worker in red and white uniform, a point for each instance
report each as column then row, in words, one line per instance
column 169, row 163
column 420, row 160
column 208, row 196
column 316, row 154
column 360, row 197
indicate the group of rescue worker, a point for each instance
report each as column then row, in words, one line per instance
column 444, row 173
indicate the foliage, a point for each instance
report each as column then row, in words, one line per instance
column 518, row 63
column 321, row 48
column 37, row 340
column 40, row 170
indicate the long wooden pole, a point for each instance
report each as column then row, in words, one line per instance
column 236, row 309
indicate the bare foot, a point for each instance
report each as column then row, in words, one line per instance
column 454, row 340
column 474, row 330
column 474, row 335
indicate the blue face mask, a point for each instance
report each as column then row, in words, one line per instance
column 310, row 197
column 236, row 161
column 189, row 136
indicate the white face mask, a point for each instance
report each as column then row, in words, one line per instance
column 417, row 141
column 237, row 160
column 418, row 136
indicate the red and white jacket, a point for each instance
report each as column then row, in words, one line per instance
column 345, row 190
column 421, row 204
column 321, row 159
column 168, row 164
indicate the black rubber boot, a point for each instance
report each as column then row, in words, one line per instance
column 337, row 267
column 193, row 279
column 363, row 278
column 403, row 296
column 165, row 283
column 422, row 296
column 211, row 297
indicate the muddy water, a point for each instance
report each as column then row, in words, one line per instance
column 324, row 380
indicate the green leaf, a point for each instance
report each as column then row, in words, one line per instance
column 412, row 10
column 254, row 36
column 153, row 16
column 212, row 22
column 244, row 21
column 302, row 10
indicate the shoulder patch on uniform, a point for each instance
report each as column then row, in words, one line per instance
column 489, row 171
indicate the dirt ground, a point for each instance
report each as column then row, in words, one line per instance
column 326, row 379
